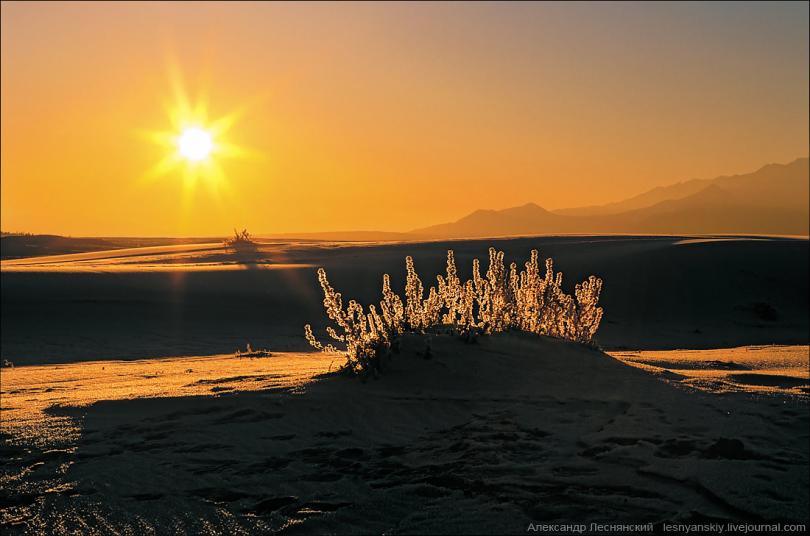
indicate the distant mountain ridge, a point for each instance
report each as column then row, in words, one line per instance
column 643, row 200
column 771, row 200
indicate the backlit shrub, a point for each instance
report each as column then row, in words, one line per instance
column 525, row 300
column 239, row 238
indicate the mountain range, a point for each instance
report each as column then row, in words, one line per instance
column 771, row 200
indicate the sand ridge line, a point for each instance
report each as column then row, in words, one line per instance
column 763, row 370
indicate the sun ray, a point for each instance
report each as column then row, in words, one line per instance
column 161, row 168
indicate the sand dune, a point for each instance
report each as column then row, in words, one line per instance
column 69, row 260
column 482, row 438
column 173, row 258
column 761, row 369
column 15, row 245
column 659, row 293
column 29, row 393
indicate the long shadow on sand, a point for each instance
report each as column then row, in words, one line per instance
column 482, row 438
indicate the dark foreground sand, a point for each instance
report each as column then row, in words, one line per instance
column 482, row 438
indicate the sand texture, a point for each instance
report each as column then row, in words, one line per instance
column 481, row 438
column 127, row 411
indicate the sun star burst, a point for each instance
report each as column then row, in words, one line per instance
column 195, row 144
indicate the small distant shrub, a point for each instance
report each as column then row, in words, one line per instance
column 501, row 300
column 240, row 238
column 250, row 352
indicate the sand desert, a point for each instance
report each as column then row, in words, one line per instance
column 178, row 433
column 348, row 268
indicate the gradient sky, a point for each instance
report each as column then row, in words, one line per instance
column 387, row 116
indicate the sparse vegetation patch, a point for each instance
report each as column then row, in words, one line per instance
column 240, row 238
column 251, row 352
column 501, row 300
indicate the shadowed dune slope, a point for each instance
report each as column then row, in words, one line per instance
column 659, row 293
column 481, row 438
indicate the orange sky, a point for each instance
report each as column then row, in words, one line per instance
column 387, row 117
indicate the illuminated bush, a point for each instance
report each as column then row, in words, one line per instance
column 524, row 300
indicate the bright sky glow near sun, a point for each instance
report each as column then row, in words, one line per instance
column 195, row 144
column 167, row 119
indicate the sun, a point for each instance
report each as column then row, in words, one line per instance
column 195, row 144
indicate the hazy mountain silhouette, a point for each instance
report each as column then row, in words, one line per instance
column 771, row 200
column 525, row 219
column 646, row 199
